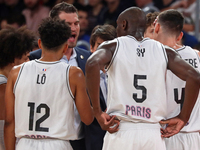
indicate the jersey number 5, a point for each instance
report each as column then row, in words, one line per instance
column 40, row 120
column 139, row 87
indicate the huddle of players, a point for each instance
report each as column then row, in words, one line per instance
column 166, row 28
column 70, row 82
column 122, row 63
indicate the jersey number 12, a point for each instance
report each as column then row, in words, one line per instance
column 40, row 120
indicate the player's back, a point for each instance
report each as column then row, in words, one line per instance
column 44, row 104
column 176, row 90
column 136, row 80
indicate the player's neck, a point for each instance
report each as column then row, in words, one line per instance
column 6, row 70
column 169, row 41
column 51, row 56
column 69, row 53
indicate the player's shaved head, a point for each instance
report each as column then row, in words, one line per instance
column 132, row 21
column 171, row 21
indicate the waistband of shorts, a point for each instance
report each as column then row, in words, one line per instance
column 191, row 133
column 42, row 139
column 137, row 126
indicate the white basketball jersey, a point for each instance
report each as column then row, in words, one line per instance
column 44, row 104
column 176, row 90
column 136, row 80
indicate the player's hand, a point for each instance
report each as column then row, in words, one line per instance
column 173, row 126
column 107, row 122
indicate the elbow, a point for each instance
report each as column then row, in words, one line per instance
column 89, row 120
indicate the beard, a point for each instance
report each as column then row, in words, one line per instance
column 72, row 45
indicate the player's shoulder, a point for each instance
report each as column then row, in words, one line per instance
column 18, row 67
column 188, row 51
column 15, row 70
column 75, row 73
column 75, row 70
column 183, row 48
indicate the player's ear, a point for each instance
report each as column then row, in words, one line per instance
column 124, row 24
column 39, row 43
column 91, row 49
column 179, row 37
column 157, row 28
column 65, row 48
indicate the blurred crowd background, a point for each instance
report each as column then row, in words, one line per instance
column 96, row 12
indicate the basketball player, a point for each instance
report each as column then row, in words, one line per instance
column 93, row 133
column 168, row 31
column 101, row 33
column 74, row 56
column 150, row 17
column 46, row 120
column 15, row 44
column 136, row 70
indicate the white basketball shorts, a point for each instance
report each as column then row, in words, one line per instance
column 43, row 144
column 183, row 141
column 135, row 136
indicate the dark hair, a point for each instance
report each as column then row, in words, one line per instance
column 80, row 7
column 171, row 20
column 150, row 18
column 15, row 43
column 62, row 7
column 105, row 32
column 17, row 18
column 53, row 33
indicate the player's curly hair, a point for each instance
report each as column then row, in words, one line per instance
column 54, row 33
column 14, row 43
column 150, row 18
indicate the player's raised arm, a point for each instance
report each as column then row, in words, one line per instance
column 78, row 88
column 192, row 77
column 96, row 62
column 9, row 127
